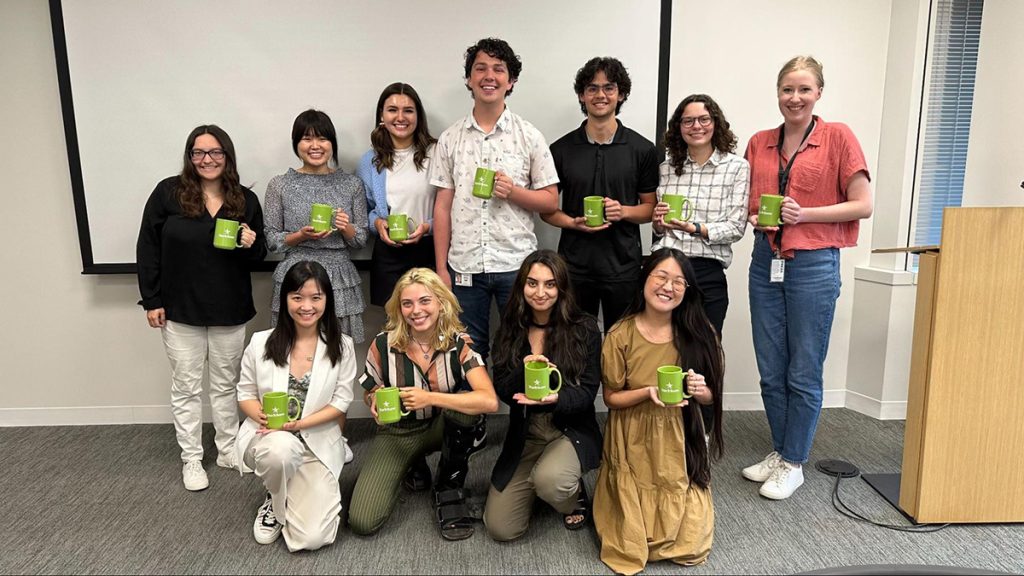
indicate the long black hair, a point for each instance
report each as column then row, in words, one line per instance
column 281, row 340
column 697, row 344
column 565, row 341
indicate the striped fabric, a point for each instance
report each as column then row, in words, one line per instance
column 388, row 366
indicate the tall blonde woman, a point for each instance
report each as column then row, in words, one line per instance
column 425, row 352
column 820, row 170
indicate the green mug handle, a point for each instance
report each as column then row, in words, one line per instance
column 555, row 370
column 685, row 395
column 298, row 408
column 686, row 211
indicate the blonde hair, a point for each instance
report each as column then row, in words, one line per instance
column 802, row 63
column 448, row 326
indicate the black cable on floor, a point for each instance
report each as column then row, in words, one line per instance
column 841, row 470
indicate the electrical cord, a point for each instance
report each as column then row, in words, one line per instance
column 842, row 470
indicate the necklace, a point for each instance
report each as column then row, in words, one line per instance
column 424, row 348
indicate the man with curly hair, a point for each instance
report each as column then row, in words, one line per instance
column 604, row 158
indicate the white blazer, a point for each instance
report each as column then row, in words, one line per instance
column 327, row 385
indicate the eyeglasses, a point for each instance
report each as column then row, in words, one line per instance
column 608, row 89
column 216, row 154
column 659, row 279
column 689, row 121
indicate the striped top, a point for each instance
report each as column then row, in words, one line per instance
column 389, row 366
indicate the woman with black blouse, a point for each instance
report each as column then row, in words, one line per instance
column 551, row 442
column 198, row 295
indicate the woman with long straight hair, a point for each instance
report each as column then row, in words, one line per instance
column 306, row 356
column 396, row 176
column 653, row 496
column 199, row 296
column 553, row 441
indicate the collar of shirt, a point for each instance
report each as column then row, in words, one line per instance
column 717, row 157
column 581, row 137
column 813, row 140
column 501, row 124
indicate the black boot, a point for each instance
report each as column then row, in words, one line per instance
column 453, row 517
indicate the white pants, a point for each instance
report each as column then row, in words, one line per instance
column 191, row 349
column 307, row 500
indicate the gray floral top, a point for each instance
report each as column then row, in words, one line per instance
column 299, row 389
column 287, row 203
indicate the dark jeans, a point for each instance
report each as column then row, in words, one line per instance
column 476, row 304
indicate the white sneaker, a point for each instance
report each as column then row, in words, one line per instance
column 349, row 454
column 785, row 479
column 227, row 460
column 194, row 477
column 762, row 470
column 266, row 529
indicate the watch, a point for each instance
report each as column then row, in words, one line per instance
column 696, row 230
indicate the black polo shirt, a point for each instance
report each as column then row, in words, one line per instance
column 621, row 170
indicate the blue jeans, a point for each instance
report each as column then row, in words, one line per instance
column 476, row 304
column 791, row 323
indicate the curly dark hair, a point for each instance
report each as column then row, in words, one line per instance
column 190, row 188
column 723, row 139
column 613, row 70
column 495, row 48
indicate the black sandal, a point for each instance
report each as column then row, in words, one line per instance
column 453, row 516
column 582, row 509
column 417, row 478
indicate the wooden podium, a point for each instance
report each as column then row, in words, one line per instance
column 963, row 449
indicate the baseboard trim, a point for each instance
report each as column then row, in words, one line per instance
column 752, row 400
column 877, row 409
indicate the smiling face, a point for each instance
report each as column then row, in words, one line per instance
column 798, row 92
column 600, row 97
column 399, row 118
column 315, row 152
column 665, row 286
column 306, row 305
column 420, row 310
column 697, row 135
column 540, row 290
column 204, row 149
column 489, row 79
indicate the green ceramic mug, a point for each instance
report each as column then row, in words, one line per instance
column 276, row 406
column 538, row 378
column 483, row 183
column 225, row 234
column 398, row 227
column 678, row 207
column 593, row 211
column 389, row 405
column 321, row 217
column 670, row 384
column 770, row 212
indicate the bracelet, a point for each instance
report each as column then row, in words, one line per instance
column 696, row 230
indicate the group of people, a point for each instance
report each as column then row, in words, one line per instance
column 437, row 280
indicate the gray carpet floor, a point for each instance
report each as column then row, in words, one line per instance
column 109, row 499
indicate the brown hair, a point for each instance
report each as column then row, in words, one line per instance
column 380, row 138
column 190, row 189
column 722, row 140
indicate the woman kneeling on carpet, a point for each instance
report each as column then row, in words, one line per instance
column 295, row 445
column 443, row 385
column 553, row 436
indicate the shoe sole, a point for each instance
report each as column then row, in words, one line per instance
column 780, row 496
column 264, row 542
column 198, row 488
column 753, row 478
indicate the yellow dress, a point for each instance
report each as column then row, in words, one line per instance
column 645, row 508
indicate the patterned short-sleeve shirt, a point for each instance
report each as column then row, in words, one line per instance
column 491, row 235
column 389, row 366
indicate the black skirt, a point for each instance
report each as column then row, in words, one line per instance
column 388, row 265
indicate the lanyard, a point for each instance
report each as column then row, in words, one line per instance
column 784, row 173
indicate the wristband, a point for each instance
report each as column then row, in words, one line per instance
column 696, row 230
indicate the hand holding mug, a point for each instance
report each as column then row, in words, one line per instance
column 752, row 220
column 791, row 212
column 652, row 392
column 524, row 401
column 502, row 185
column 248, row 236
column 156, row 317
column 381, row 224
column 341, row 220
column 612, row 210
column 697, row 387
column 660, row 210
column 415, row 398
column 292, row 426
column 417, row 234
column 580, row 224
column 307, row 233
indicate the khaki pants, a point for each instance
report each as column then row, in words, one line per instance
column 306, row 497
column 549, row 468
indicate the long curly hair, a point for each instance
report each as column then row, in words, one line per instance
column 190, row 187
column 698, row 347
column 565, row 342
column 448, row 326
column 722, row 140
column 380, row 138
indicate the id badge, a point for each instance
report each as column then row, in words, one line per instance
column 463, row 279
column 778, row 270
